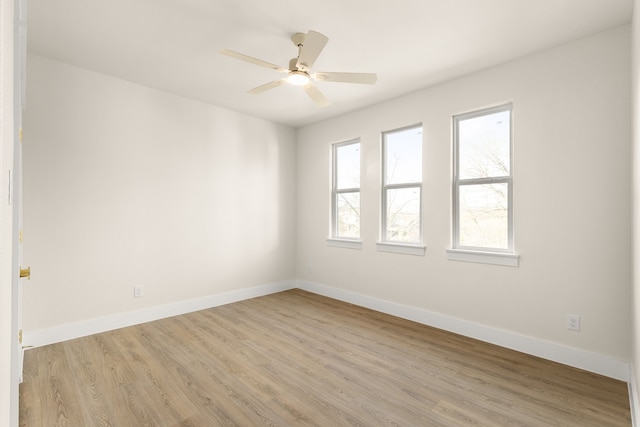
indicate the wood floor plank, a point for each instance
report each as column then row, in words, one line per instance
column 299, row 359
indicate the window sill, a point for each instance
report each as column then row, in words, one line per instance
column 344, row 243
column 495, row 258
column 401, row 248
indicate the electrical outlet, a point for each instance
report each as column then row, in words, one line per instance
column 309, row 269
column 573, row 322
column 138, row 291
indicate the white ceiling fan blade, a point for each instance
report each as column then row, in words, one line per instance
column 361, row 78
column 313, row 44
column 267, row 86
column 252, row 60
column 316, row 95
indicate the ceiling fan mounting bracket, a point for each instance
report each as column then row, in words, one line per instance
column 298, row 39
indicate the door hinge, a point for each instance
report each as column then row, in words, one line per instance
column 20, row 336
column 20, row 235
column 21, row 135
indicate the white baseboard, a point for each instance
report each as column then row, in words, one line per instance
column 55, row 334
column 593, row 362
column 633, row 398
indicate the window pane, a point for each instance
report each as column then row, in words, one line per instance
column 348, row 164
column 403, row 156
column 484, row 146
column 484, row 220
column 348, row 215
column 403, row 215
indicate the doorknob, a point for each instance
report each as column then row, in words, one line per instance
column 25, row 272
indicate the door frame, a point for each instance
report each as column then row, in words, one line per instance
column 9, row 375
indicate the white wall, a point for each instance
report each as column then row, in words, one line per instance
column 571, row 200
column 126, row 185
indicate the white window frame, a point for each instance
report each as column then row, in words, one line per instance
column 488, row 255
column 335, row 240
column 394, row 246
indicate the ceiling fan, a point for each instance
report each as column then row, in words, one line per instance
column 299, row 73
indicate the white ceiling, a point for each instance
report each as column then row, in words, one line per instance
column 173, row 45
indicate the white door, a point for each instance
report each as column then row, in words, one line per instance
column 21, row 272
column 13, row 54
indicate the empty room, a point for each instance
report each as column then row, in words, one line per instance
column 340, row 213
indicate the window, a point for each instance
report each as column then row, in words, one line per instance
column 402, row 186
column 482, row 181
column 346, row 191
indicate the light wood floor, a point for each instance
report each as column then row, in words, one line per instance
column 298, row 359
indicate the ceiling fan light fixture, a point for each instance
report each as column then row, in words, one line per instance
column 298, row 78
